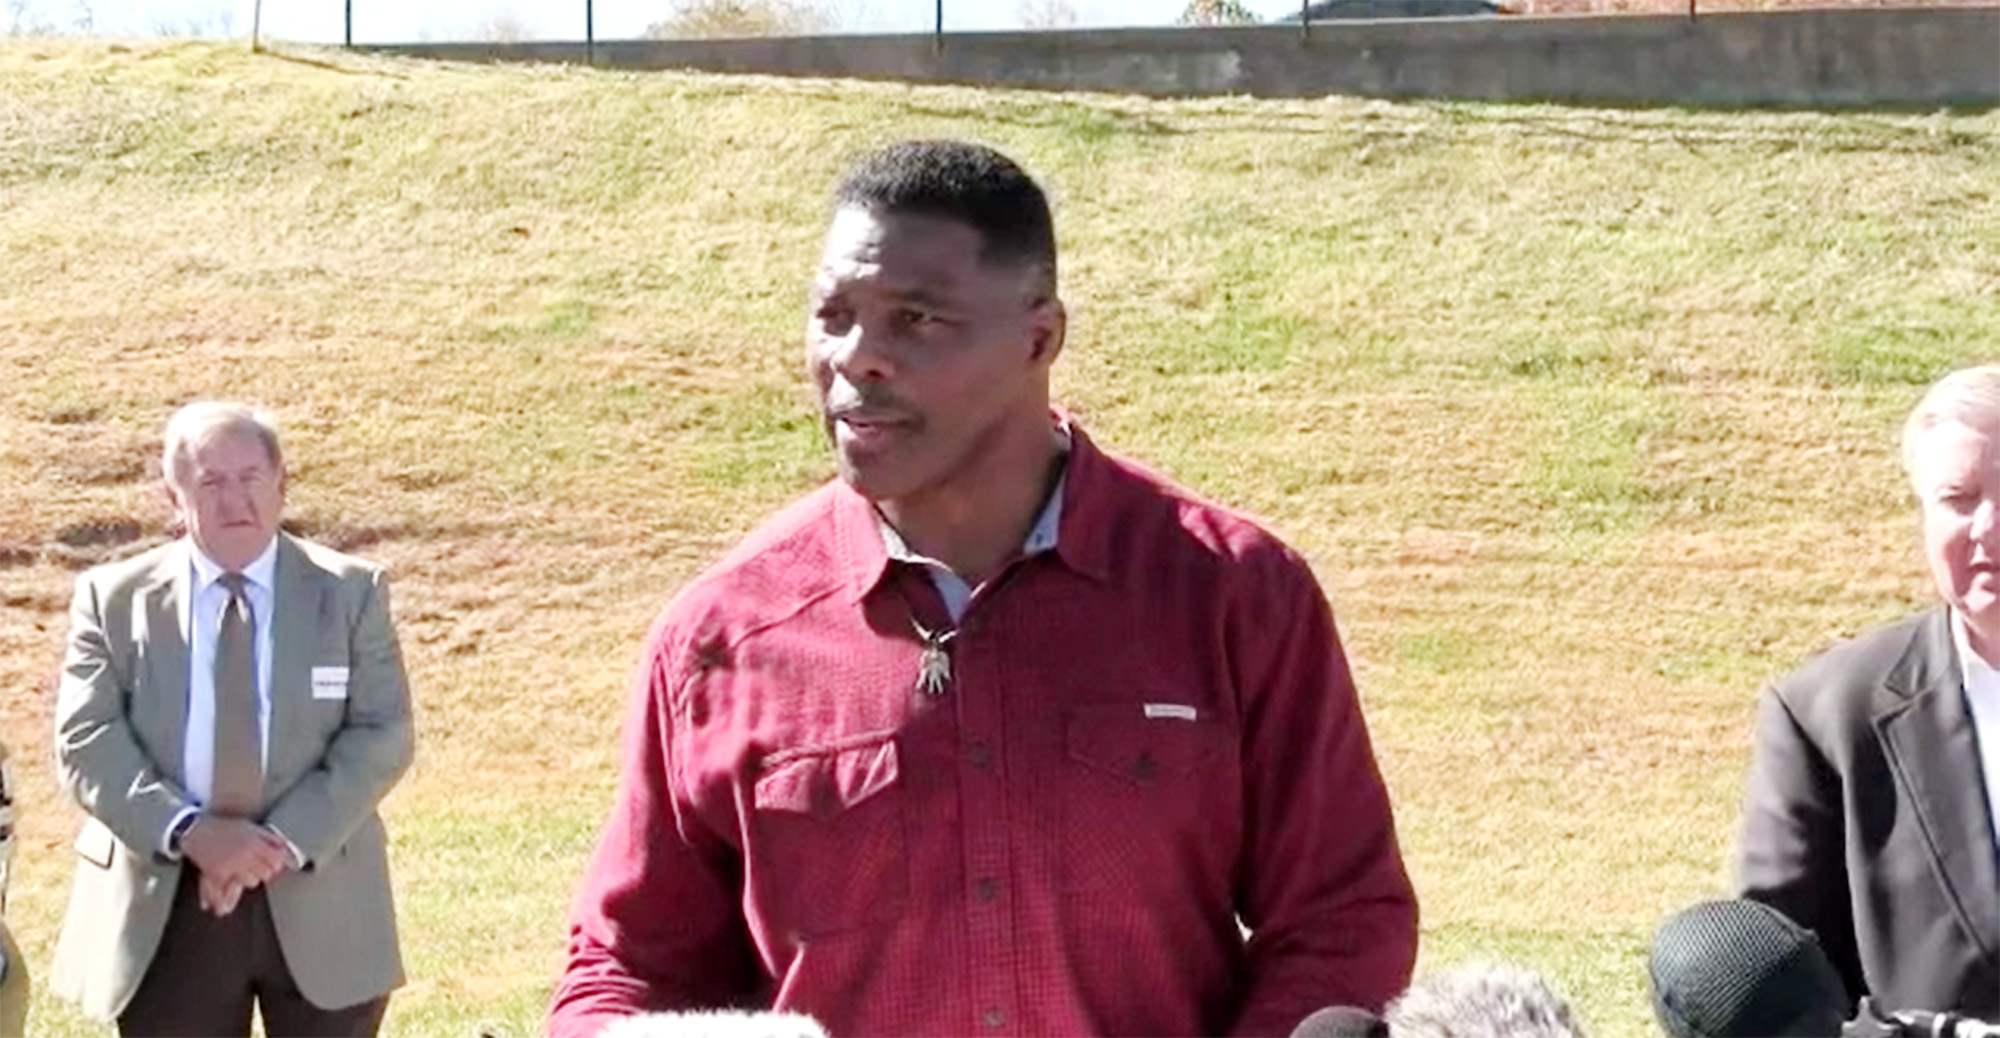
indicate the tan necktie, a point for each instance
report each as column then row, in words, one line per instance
column 239, row 759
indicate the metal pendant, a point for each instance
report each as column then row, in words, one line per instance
column 934, row 666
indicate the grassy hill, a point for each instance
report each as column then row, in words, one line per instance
column 1585, row 418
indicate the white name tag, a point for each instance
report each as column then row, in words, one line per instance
column 1171, row 711
column 329, row 682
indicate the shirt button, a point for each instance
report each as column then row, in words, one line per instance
column 980, row 756
column 986, row 889
column 993, row 1018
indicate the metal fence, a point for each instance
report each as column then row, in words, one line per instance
column 359, row 22
column 352, row 22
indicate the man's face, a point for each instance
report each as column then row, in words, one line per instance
column 229, row 495
column 1956, row 472
column 923, row 354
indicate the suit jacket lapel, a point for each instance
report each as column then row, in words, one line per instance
column 1929, row 740
column 161, row 712
column 296, row 605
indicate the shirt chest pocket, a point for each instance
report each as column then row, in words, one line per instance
column 828, row 847
column 1155, row 792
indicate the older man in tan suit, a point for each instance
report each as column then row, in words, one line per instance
column 232, row 710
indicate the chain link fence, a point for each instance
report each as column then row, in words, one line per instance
column 522, row 21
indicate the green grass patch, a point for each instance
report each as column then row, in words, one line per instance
column 1436, row 651
column 1911, row 346
column 771, row 441
column 1589, row 470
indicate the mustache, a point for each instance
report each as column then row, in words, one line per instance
column 874, row 406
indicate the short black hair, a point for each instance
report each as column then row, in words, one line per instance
column 969, row 183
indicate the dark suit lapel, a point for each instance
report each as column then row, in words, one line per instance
column 296, row 603
column 1929, row 740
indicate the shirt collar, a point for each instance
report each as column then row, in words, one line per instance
column 1041, row 537
column 1073, row 520
column 1973, row 670
column 260, row 572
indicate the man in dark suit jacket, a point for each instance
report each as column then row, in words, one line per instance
column 1875, row 783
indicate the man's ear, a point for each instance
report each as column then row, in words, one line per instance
column 170, row 499
column 1048, row 326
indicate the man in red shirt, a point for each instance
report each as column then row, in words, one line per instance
column 997, row 733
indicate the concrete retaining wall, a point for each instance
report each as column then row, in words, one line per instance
column 1815, row 58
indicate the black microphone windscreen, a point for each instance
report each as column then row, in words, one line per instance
column 1341, row 1022
column 1724, row 969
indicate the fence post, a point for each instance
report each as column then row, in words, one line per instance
column 257, row 26
column 937, row 31
column 589, row 33
column 349, row 35
column 1306, row 20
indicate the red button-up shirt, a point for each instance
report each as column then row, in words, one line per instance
column 1147, row 734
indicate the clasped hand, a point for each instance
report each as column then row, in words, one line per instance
column 232, row 855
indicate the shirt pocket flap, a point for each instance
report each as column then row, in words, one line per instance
column 823, row 783
column 1144, row 746
column 95, row 844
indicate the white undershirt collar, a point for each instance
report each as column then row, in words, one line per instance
column 951, row 587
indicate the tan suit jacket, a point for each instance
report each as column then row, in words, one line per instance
column 13, row 988
column 1866, row 820
column 14, row 978
column 121, row 717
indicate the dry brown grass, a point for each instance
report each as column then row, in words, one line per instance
column 1584, row 417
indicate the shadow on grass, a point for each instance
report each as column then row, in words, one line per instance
column 1086, row 120
column 329, row 66
column 95, row 541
